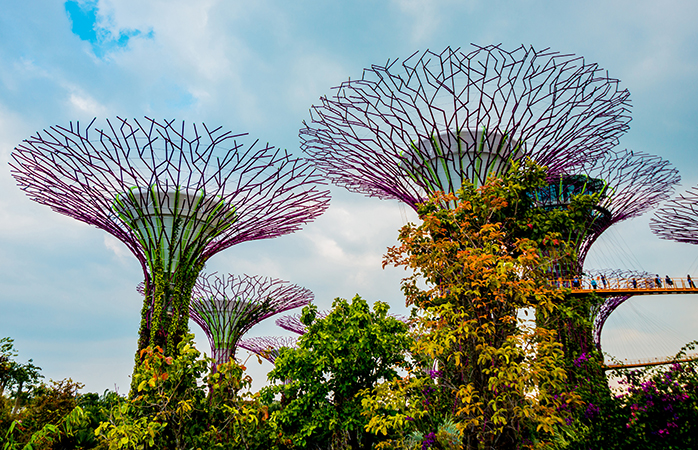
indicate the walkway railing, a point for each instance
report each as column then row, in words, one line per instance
column 650, row 362
column 627, row 286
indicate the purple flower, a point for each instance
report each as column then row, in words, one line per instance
column 429, row 441
column 435, row 374
column 583, row 358
column 591, row 411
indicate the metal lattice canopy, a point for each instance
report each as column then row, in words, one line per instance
column 677, row 219
column 135, row 179
column 175, row 196
column 403, row 131
column 292, row 323
column 600, row 314
column 268, row 347
column 629, row 183
column 227, row 307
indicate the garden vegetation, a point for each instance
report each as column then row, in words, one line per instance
column 493, row 356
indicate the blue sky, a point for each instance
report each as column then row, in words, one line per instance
column 67, row 290
column 91, row 25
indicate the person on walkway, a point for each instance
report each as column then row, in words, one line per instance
column 690, row 282
column 593, row 284
column 603, row 280
column 669, row 282
column 658, row 281
column 575, row 282
column 634, row 283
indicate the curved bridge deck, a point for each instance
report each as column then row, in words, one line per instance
column 614, row 287
column 652, row 362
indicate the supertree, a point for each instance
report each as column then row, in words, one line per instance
column 227, row 307
column 643, row 280
column 268, row 347
column 628, row 185
column 677, row 220
column 403, row 131
column 292, row 322
column 173, row 198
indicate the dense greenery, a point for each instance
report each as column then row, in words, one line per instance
column 494, row 356
column 653, row 409
column 479, row 368
column 321, row 382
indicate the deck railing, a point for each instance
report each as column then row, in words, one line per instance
column 650, row 362
column 627, row 285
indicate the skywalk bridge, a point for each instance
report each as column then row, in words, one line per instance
column 627, row 287
column 616, row 287
column 649, row 362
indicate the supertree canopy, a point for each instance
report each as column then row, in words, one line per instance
column 677, row 220
column 403, row 131
column 174, row 196
column 227, row 307
column 292, row 323
column 268, row 347
column 599, row 315
column 627, row 183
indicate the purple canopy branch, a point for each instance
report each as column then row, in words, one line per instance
column 227, row 307
column 405, row 131
column 268, row 347
column 292, row 323
column 677, row 219
column 174, row 197
column 635, row 183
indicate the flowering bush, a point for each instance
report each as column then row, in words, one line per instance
column 654, row 408
column 660, row 405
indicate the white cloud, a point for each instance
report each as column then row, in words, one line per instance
column 427, row 16
column 84, row 104
column 117, row 247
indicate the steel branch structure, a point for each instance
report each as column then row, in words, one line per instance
column 403, row 131
column 268, row 347
column 292, row 323
column 677, row 220
column 175, row 196
column 628, row 184
column 602, row 312
column 635, row 183
column 227, row 307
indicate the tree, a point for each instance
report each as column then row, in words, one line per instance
column 19, row 378
column 321, row 382
column 180, row 403
column 497, row 377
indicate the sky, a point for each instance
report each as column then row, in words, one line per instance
column 67, row 290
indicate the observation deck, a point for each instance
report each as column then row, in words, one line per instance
column 615, row 287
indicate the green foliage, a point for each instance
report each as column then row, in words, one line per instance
column 480, row 367
column 322, row 382
column 655, row 408
column 53, row 418
column 181, row 403
column 20, row 379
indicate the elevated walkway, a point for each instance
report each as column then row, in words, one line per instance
column 616, row 287
column 650, row 362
